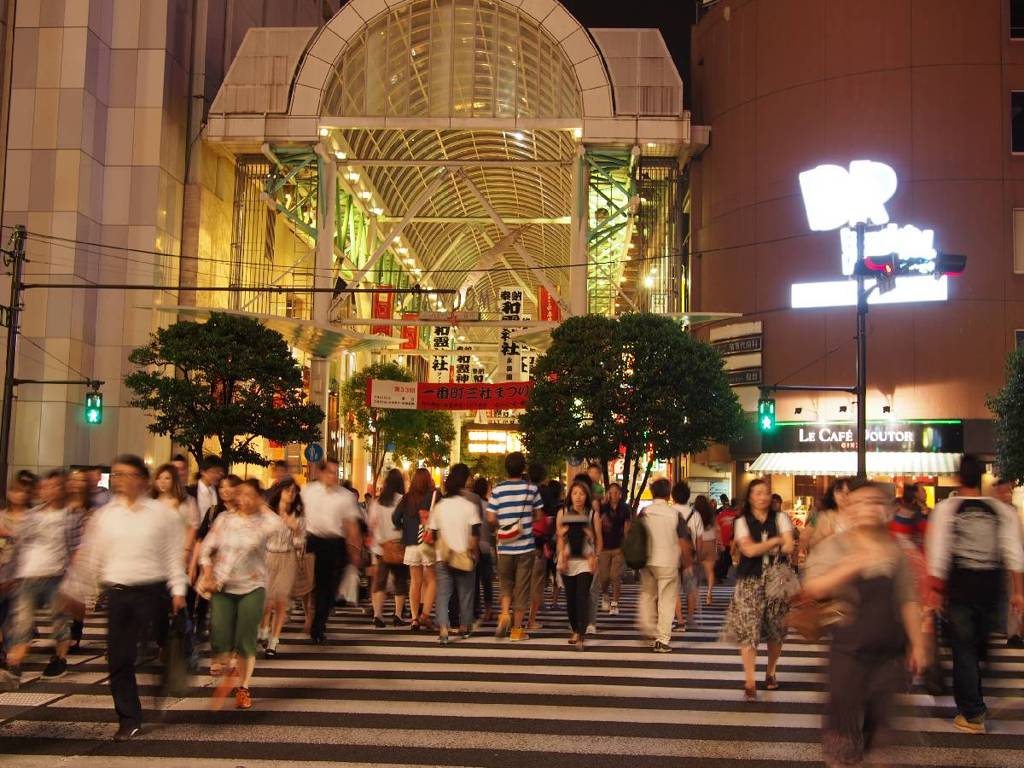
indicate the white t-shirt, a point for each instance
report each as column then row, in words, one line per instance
column 662, row 520
column 46, row 553
column 379, row 521
column 453, row 518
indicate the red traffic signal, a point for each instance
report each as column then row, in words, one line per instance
column 878, row 266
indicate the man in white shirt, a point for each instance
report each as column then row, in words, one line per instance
column 43, row 549
column 211, row 471
column 687, row 576
column 668, row 545
column 332, row 516
column 132, row 549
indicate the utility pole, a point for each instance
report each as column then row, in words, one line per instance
column 15, row 258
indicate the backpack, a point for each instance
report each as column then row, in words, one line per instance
column 634, row 547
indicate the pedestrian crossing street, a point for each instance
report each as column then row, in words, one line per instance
column 392, row 697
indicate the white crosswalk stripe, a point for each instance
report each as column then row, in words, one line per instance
column 392, row 697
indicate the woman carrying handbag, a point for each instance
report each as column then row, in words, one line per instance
column 388, row 550
column 455, row 524
column 411, row 516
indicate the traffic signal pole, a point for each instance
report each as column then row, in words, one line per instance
column 861, row 392
column 16, row 260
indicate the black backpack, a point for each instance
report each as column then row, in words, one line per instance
column 634, row 547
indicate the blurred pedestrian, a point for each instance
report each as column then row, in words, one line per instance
column 79, row 506
column 687, row 573
column 973, row 544
column 132, row 550
column 483, row 599
column 615, row 514
column 764, row 540
column 708, row 544
column 234, row 563
column 42, row 554
column 669, row 549
column 578, row 545
column 11, row 517
column 866, row 571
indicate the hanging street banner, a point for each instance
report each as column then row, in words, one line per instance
column 441, row 364
column 428, row 396
column 517, row 359
column 410, row 333
column 382, row 308
column 547, row 306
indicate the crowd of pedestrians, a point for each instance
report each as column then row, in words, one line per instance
column 886, row 580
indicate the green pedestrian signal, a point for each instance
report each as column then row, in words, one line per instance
column 766, row 414
column 94, row 408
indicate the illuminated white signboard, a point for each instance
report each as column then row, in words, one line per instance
column 839, row 198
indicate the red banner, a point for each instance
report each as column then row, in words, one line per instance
column 547, row 306
column 511, row 395
column 410, row 333
column 383, row 308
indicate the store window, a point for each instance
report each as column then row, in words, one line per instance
column 1017, row 121
column 1018, row 241
column 1017, row 19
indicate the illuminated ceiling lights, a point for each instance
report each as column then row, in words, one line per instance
column 325, row 131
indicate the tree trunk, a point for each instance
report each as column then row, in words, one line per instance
column 647, row 476
column 626, row 466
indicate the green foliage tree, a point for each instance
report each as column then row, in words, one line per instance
column 231, row 378
column 415, row 434
column 1008, row 408
column 639, row 382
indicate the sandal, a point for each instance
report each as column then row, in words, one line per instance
column 750, row 693
column 771, row 683
column 574, row 638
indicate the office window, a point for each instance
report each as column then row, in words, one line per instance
column 1018, row 241
column 1017, row 121
column 1017, row 19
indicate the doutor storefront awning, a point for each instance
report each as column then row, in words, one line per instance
column 845, row 463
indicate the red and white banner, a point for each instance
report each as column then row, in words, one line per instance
column 410, row 333
column 429, row 396
column 382, row 308
column 547, row 306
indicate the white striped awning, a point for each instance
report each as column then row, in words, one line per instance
column 845, row 463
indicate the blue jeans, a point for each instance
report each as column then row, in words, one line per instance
column 968, row 626
column 463, row 584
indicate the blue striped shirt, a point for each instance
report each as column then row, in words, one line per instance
column 514, row 501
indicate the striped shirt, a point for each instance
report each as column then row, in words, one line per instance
column 515, row 501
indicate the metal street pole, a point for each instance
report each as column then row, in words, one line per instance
column 17, row 260
column 862, row 360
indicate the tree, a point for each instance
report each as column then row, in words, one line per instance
column 231, row 378
column 639, row 383
column 414, row 434
column 1008, row 408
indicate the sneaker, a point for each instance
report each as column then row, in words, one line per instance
column 378, row 622
column 518, row 634
column 504, row 624
column 271, row 651
column 604, row 603
column 57, row 667
column 974, row 725
column 591, row 629
column 614, row 610
column 243, row 699
column 262, row 637
column 126, row 732
column 660, row 647
column 10, row 679
column 1015, row 641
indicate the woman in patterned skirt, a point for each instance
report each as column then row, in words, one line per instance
column 762, row 538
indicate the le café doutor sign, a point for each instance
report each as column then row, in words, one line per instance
column 889, row 436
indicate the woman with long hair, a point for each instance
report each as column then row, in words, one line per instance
column 484, row 610
column 411, row 516
column 234, row 562
column 225, row 501
column 169, row 491
column 709, row 542
column 387, row 545
column 285, row 549
column 578, row 544
column 763, row 539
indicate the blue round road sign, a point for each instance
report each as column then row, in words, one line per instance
column 314, row 452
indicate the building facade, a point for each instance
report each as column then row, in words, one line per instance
column 927, row 88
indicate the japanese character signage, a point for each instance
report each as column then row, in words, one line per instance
column 429, row 396
column 382, row 308
column 441, row 361
column 516, row 359
column 547, row 306
column 463, row 368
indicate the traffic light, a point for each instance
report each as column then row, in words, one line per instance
column 950, row 264
column 766, row 414
column 878, row 266
column 94, row 408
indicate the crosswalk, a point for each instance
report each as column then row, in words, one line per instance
column 391, row 697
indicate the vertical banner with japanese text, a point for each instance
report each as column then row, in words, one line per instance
column 547, row 306
column 410, row 333
column 382, row 308
column 441, row 361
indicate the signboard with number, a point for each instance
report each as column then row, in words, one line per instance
column 399, row 395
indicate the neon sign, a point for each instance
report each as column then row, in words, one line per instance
column 838, row 198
